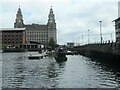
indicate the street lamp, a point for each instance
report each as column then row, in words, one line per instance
column 101, row 32
column 111, row 37
column 82, row 40
column 88, row 36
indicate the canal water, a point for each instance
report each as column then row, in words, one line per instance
column 77, row 72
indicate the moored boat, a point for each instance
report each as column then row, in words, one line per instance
column 60, row 55
column 35, row 57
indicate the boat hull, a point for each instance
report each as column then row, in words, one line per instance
column 60, row 57
column 35, row 57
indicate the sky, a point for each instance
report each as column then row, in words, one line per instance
column 76, row 20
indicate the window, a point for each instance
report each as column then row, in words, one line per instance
column 119, row 32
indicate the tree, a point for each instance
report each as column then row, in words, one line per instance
column 52, row 43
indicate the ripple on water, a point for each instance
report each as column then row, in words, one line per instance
column 77, row 72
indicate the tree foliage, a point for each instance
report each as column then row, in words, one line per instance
column 52, row 43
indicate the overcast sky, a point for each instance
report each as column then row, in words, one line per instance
column 73, row 17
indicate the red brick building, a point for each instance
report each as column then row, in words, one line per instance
column 12, row 37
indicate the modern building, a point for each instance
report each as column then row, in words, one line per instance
column 12, row 37
column 117, row 29
column 117, row 25
column 119, row 9
column 35, row 32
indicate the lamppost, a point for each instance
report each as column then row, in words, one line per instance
column 88, row 37
column 82, row 40
column 111, row 37
column 101, row 32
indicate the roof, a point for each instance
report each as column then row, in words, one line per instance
column 116, row 19
column 12, row 29
column 36, row 27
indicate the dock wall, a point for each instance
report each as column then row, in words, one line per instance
column 106, row 53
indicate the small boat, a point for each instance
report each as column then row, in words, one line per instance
column 60, row 55
column 69, row 53
column 35, row 56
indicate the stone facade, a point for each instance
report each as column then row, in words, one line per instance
column 19, row 19
column 38, row 33
column 51, row 25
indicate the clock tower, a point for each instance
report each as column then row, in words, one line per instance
column 19, row 19
column 51, row 26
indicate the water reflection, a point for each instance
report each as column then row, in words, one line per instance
column 117, row 77
column 19, row 69
column 0, row 70
column 62, row 64
column 54, row 72
column 77, row 72
column 12, row 68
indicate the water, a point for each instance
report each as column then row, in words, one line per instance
column 0, row 70
column 77, row 72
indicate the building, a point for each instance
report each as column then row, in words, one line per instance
column 35, row 32
column 117, row 29
column 117, row 25
column 0, row 37
column 70, row 44
column 19, row 19
column 12, row 37
column 22, row 34
column 119, row 9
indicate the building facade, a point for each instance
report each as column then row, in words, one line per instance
column 117, row 25
column 119, row 9
column 51, row 26
column 70, row 44
column 117, row 29
column 13, row 37
column 35, row 32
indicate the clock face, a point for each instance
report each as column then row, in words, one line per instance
column 19, row 21
column 51, row 21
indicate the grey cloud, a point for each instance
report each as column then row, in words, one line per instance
column 73, row 17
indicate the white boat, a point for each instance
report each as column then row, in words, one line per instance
column 35, row 55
